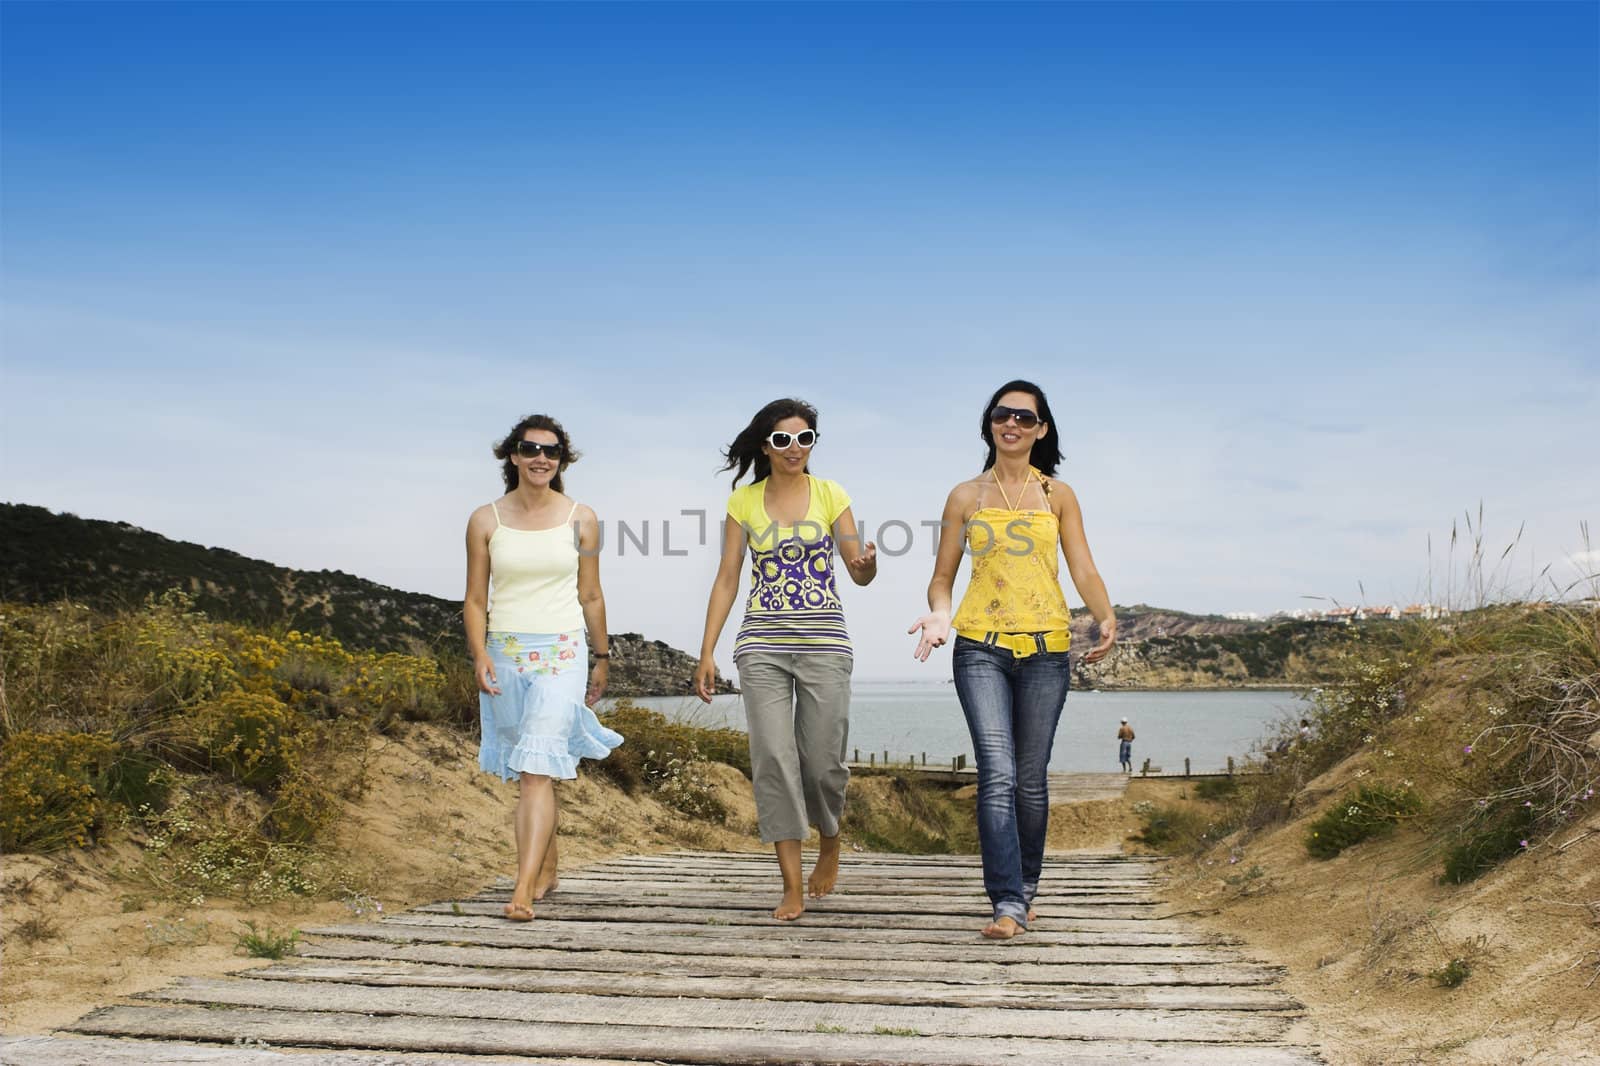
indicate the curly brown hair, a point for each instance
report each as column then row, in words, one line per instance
column 503, row 451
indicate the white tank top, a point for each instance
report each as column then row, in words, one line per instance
column 533, row 575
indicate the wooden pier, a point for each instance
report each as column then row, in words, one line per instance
column 960, row 769
column 675, row 959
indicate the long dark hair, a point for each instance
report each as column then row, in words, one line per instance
column 1046, row 453
column 745, row 451
column 506, row 448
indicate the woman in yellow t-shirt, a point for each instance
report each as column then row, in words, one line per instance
column 1011, row 662
column 792, row 651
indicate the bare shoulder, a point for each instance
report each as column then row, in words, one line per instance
column 1061, row 494
column 584, row 515
column 482, row 520
column 966, row 492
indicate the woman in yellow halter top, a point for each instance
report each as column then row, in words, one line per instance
column 1011, row 661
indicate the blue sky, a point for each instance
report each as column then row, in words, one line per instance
column 1304, row 281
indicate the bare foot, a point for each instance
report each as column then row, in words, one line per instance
column 1003, row 928
column 540, row 891
column 792, row 907
column 825, row 874
column 519, row 912
column 1031, row 913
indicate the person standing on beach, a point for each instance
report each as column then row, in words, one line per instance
column 1125, row 746
column 793, row 651
column 540, row 549
column 1011, row 660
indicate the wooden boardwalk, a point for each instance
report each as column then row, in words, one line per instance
column 674, row 959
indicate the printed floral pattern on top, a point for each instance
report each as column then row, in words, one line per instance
column 793, row 576
column 549, row 661
column 1015, row 585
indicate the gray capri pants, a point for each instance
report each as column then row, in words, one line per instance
column 797, row 710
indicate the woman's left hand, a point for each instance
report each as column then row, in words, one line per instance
column 1108, row 637
column 597, row 680
column 863, row 566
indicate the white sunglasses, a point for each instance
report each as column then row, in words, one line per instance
column 781, row 440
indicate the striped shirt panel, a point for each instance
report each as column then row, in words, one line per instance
column 820, row 631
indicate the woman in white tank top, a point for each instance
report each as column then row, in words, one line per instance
column 540, row 551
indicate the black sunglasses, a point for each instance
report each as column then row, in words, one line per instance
column 1025, row 419
column 530, row 448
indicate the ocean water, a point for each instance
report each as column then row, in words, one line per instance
column 909, row 718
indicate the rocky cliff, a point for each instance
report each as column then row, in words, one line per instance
column 1163, row 649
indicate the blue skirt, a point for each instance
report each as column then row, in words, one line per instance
column 538, row 724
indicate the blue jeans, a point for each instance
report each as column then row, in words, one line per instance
column 1012, row 706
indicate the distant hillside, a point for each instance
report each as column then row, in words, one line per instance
column 46, row 556
column 1164, row 649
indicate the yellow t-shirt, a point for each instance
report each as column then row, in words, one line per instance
column 793, row 604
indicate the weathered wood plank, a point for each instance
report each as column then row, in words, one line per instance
column 557, row 903
column 889, row 858
column 867, row 916
column 115, row 1051
column 554, row 933
column 501, row 932
column 938, row 865
column 676, row 1045
column 848, row 886
column 768, row 1014
column 998, row 966
column 1014, row 996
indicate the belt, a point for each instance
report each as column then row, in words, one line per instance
column 1022, row 645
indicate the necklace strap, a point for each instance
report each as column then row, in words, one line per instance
column 1034, row 474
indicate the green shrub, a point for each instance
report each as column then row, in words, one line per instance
column 1487, row 842
column 47, row 794
column 1180, row 829
column 266, row 943
column 1451, row 974
column 1372, row 811
column 1216, row 788
column 138, row 780
column 303, row 809
column 253, row 737
column 917, row 818
column 664, row 756
column 394, row 688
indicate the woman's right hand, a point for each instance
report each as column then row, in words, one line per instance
column 705, row 679
column 935, row 626
column 484, row 668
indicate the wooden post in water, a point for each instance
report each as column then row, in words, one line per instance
column 1230, row 766
column 1144, row 771
column 924, row 758
column 1186, row 766
column 858, row 756
column 871, row 756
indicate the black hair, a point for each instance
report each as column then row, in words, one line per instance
column 506, row 448
column 746, row 451
column 1046, row 454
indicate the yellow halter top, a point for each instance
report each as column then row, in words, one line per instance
column 1014, row 586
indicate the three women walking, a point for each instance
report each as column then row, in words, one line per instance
column 1011, row 660
column 530, row 644
column 793, row 651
